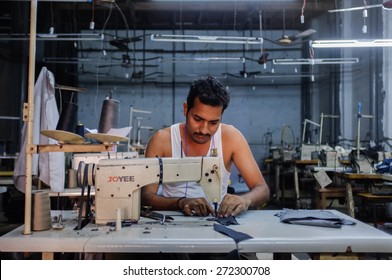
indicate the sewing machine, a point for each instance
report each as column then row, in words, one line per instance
column 118, row 182
column 96, row 157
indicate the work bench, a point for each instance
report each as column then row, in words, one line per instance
column 353, row 179
column 196, row 235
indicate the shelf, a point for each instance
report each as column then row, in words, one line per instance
column 82, row 148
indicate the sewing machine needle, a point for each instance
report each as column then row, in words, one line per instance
column 216, row 209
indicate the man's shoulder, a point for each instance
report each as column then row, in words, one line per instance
column 230, row 134
column 160, row 143
column 163, row 132
column 228, row 128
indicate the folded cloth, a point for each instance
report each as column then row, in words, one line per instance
column 320, row 218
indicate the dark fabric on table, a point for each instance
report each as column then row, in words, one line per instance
column 320, row 218
column 236, row 235
column 230, row 220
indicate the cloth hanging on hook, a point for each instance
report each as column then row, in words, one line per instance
column 49, row 166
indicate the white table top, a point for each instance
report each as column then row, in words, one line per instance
column 196, row 234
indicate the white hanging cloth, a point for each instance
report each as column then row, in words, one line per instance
column 49, row 166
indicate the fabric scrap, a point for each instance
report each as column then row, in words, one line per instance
column 237, row 236
column 230, row 220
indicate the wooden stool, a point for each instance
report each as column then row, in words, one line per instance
column 322, row 194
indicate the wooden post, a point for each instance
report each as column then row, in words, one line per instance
column 30, row 116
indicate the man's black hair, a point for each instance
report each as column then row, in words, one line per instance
column 209, row 91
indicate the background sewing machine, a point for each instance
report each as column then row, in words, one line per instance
column 118, row 182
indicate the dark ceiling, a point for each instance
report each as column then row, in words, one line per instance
column 183, row 15
column 231, row 15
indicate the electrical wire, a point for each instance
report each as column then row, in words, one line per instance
column 302, row 12
column 98, row 61
column 92, row 23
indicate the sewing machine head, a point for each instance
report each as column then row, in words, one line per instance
column 118, row 182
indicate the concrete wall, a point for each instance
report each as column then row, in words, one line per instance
column 259, row 105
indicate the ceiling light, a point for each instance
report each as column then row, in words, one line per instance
column 287, row 75
column 68, row 60
column 351, row 43
column 210, row 59
column 387, row 6
column 313, row 61
column 54, row 37
column 206, row 39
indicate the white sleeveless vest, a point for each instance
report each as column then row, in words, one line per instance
column 193, row 189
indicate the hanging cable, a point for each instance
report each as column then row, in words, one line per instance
column 311, row 54
column 92, row 23
column 262, row 52
column 302, row 12
column 235, row 15
column 51, row 29
column 364, row 15
column 137, row 62
column 103, row 53
column 261, row 31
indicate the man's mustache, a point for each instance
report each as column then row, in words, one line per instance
column 202, row 134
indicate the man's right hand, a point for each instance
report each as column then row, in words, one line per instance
column 195, row 207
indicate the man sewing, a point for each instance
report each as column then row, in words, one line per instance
column 204, row 133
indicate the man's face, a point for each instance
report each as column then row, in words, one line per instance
column 202, row 121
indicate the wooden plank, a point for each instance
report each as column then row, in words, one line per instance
column 82, row 148
column 47, row 255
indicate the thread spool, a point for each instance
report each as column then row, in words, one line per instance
column 67, row 120
column 109, row 115
column 41, row 219
column 118, row 219
column 80, row 129
column 72, row 178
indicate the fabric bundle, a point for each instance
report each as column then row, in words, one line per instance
column 320, row 218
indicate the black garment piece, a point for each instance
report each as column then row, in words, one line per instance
column 236, row 235
column 156, row 216
column 321, row 218
column 227, row 221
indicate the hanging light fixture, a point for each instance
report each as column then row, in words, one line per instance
column 210, row 59
column 351, row 43
column 206, row 39
column 313, row 61
column 53, row 37
column 386, row 5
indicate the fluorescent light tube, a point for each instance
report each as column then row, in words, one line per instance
column 207, row 39
column 53, row 37
column 310, row 61
column 351, row 43
column 287, row 75
column 210, row 59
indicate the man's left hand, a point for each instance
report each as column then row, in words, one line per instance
column 232, row 205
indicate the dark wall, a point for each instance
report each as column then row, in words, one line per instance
column 14, row 56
